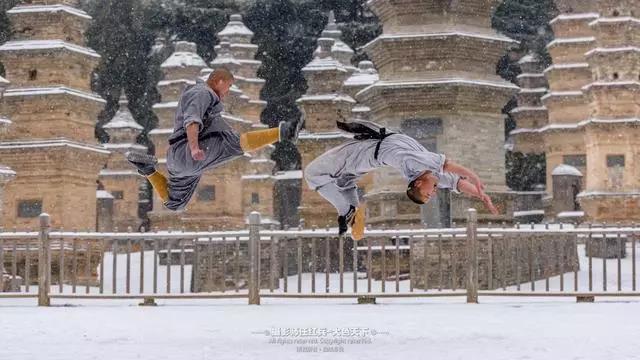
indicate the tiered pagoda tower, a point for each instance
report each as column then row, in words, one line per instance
column 438, row 84
column 6, row 174
column 180, row 70
column 612, row 131
column 530, row 115
column 323, row 104
column 567, row 105
column 118, row 178
column 51, row 146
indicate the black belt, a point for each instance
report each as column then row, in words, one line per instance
column 184, row 137
column 383, row 135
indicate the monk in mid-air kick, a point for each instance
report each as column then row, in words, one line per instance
column 335, row 173
column 203, row 140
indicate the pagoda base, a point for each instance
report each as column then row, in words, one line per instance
column 611, row 206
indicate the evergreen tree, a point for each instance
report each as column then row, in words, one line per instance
column 528, row 22
column 200, row 20
column 5, row 26
column 119, row 34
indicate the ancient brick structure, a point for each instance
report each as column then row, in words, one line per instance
column 118, row 178
column 6, row 174
column 530, row 115
column 322, row 104
column 436, row 62
column 51, row 145
column 612, row 134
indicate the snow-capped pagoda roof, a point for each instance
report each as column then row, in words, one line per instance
column 364, row 76
column 3, row 82
column 566, row 170
column 323, row 60
column 224, row 56
column 185, row 55
column 236, row 30
column 339, row 50
column 123, row 119
column 21, row 9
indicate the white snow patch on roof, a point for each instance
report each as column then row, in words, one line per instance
column 5, row 171
column 161, row 131
column 179, row 81
column 256, row 177
column 47, row 45
column 574, row 40
column 533, row 90
column 327, row 97
column 610, row 83
column 581, row 16
column 235, row 27
column 496, row 37
column 48, row 8
column 528, row 213
column 457, row 81
column 53, row 91
column 184, row 59
column 103, row 194
column 564, row 169
column 325, row 64
column 4, row 81
column 610, row 20
column 529, row 75
column 566, row 214
column 304, row 135
column 528, row 108
column 609, row 193
column 562, row 94
column 126, row 146
column 611, row 50
column 362, row 79
column 109, row 172
column 288, row 175
column 566, row 66
column 53, row 143
column 163, row 105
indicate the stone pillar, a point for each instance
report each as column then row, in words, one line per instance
column 6, row 174
column 612, row 135
column 436, row 62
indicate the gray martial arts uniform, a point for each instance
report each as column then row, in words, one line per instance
column 220, row 143
column 334, row 174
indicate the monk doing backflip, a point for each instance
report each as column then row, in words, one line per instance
column 334, row 174
column 202, row 140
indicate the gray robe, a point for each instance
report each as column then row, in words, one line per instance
column 335, row 173
column 220, row 143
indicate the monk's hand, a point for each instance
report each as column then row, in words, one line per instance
column 486, row 199
column 478, row 183
column 197, row 154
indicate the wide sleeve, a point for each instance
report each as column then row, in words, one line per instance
column 447, row 180
column 195, row 106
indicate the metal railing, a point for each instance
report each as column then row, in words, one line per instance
column 540, row 260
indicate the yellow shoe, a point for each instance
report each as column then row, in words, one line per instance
column 357, row 226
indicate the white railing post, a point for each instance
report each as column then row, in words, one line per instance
column 472, row 256
column 43, row 261
column 254, row 257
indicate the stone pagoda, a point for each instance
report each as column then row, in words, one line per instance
column 322, row 104
column 530, row 115
column 612, row 131
column 339, row 50
column 567, row 105
column 436, row 61
column 118, row 178
column 6, row 174
column 51, row 146
column 180, row 70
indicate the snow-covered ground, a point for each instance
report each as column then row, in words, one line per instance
column 393, row 329
column 440, row 328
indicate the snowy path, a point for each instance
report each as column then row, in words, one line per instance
column 230, row 329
